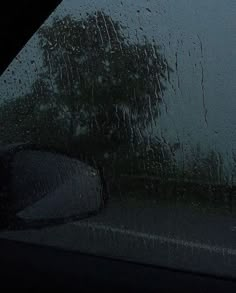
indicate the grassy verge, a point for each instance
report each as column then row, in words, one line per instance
column 205, row 197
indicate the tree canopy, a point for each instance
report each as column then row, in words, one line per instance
column 102, row 80
column 98, row 89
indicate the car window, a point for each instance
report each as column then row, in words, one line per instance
column 145, row 90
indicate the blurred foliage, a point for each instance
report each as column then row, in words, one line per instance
column 97, row 93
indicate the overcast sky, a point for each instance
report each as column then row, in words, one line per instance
column 200, row 33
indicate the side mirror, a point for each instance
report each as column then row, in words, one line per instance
column 41, row 188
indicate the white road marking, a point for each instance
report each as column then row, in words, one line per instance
column 162, row 239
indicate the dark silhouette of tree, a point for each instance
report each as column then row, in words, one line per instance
column 105, row 82
column 98, row 90
column 32, row 118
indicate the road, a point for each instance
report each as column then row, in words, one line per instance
column 170, row 236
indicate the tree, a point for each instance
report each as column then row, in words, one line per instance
column 98, row 89
column 104, row 82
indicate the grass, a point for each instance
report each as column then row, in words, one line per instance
column 204, row 198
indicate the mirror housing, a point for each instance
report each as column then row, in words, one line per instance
column 39, row 187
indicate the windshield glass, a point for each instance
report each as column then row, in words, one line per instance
column 146, row 91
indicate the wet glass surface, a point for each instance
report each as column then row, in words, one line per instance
column 144, row 89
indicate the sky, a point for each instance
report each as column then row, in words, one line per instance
column 198, row 36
